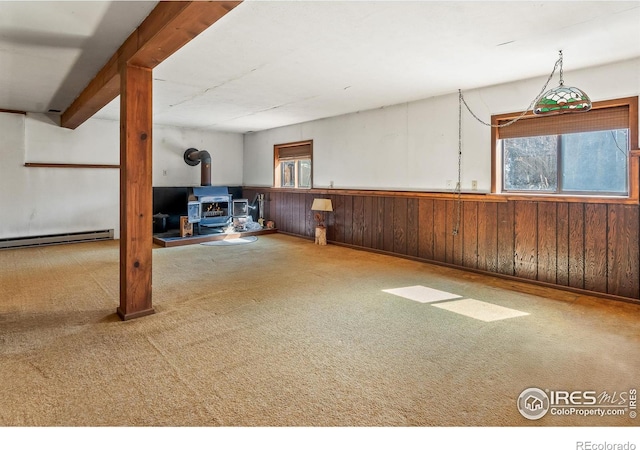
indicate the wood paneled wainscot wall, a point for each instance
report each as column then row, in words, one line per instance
column 586, row 246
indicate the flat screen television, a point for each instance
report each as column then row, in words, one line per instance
column 171, row 201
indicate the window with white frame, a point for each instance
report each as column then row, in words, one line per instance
column 292, row 165
column 583, row 153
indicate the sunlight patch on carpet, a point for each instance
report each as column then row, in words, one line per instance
column 421, row 294
column 232, row 241
column 476, row 309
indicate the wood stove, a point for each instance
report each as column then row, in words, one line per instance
column 215, row 205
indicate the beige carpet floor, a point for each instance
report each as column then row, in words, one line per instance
column 281, row 332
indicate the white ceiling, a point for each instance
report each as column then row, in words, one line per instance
column 270, row 63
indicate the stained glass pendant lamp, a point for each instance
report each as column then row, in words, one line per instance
column 562, row 99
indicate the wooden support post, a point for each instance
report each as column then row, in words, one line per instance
column 136, row 192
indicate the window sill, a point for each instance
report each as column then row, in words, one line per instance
column 625, row 200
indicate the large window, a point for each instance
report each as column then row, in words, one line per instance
column 584, row 153
column 292, row 165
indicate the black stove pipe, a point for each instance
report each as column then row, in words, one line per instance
column 193, row 157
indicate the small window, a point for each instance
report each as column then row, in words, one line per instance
column 292, row 165
column 584, row 153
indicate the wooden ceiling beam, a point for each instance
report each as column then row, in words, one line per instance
column 170, row 26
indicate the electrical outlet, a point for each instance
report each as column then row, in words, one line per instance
column 164, row 173
column 474, row 185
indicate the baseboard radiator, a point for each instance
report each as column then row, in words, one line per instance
column 53, row 239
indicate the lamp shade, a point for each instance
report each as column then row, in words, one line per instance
column 562, row 99
column 321, row 204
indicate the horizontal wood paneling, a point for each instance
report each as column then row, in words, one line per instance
column 562, row 244
column 588, row 246
column 470, row 235
column 425, row 228
column 370, row 222
column 576, row 246
column 413, row 226
column 622, row 251
column 547, row 246
column 358, row 221
column 440, row 230
column 506, row 236
column 487, row 235
column 526, row 240
column 400, row 225
column 595, row 251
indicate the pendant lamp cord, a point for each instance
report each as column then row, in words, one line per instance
column 458, row 189
column 462, row 101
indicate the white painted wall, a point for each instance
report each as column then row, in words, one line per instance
column 414, row 146
column 411, row 146
column 170, row 143
column 39, row 201
column 12, row 184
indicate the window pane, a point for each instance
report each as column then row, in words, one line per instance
column 288, row 174
column 304, row 173
column 595, row 161
column 530, row 163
